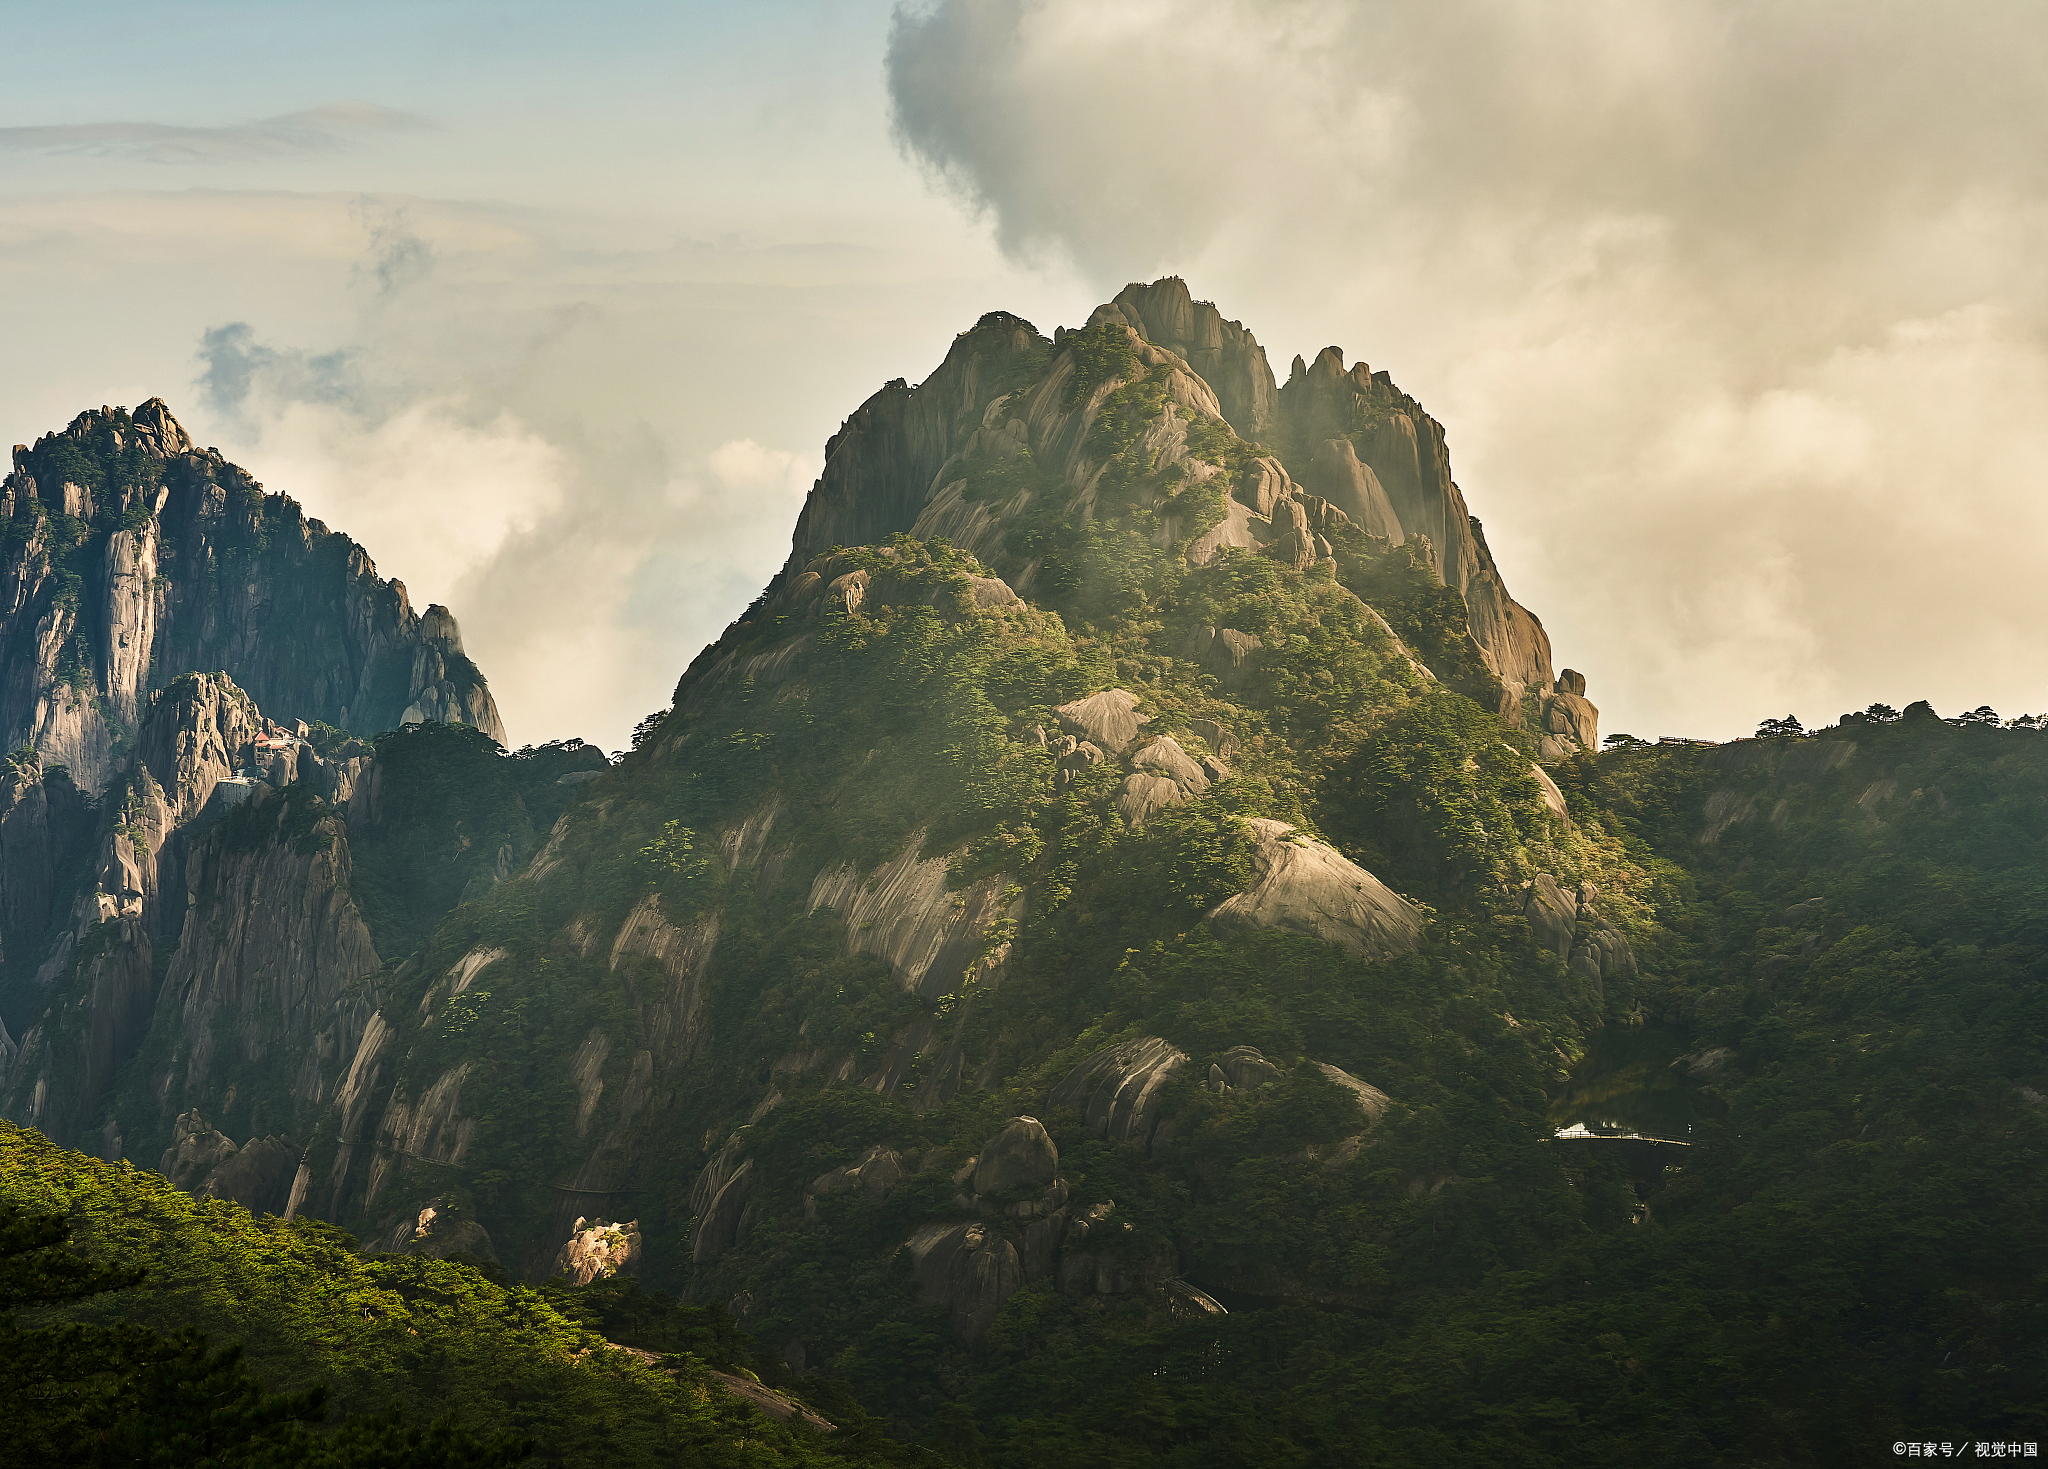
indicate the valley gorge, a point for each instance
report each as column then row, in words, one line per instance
column 1115, row 954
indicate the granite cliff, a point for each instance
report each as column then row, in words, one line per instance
column 129, row 556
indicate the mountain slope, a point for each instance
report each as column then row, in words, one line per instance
column 1099, row 681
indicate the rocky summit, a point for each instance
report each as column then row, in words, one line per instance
column 131, row 556
column 1127, row 951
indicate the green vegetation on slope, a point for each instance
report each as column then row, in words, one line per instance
column 338, row 1331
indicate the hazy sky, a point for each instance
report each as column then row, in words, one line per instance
column 1736, row 314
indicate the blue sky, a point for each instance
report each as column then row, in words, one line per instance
column 1736, row 313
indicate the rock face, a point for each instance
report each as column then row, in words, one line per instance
column 1569, row 924
column 1020, row 1156
column 1109, row 720
column 1118, row 1087
column 132, row 557
column 205, row 1161
column 969, row 1267
column 1301, row 885
column 1355, row 452
column 44, row 827
column 905, row 915
column 271, row 956
column 595, row 1250
column 1399, row 451
column 272, row 963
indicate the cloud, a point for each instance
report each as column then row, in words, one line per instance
column 1732, row 309
column 591, row 441
column 237, row 372
column 330, row 128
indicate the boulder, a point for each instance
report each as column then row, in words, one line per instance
column 1262, row 485
column 1142, row 795
column 1234, row 529
column 1371, row 1100
column 1574, row 717
column 874, row 1172
column 1552, row 796
column 1215, row 736
column 1022, row 1155
column 1570, row 925
column 1246, row 1067
column 595, row 1250
column 1117, row 1087
column 1304, row 886
column 1162, row 773
column 258, row 1176
column 1164, row 756
column 1109, row 720
column 969, row 1268
column 196, row 1149
column 1224, row 652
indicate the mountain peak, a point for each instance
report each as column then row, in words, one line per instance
column 134, row 557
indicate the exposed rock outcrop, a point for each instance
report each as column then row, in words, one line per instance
column 673, row 1021
column 596, row 1250
column 44, row 825
column 905, row 914
column 970, row 1268
column 159, row 536
column 875, row 1171
column 1117, row 1088
column 1568, row 923
column 205, row 1161
column 1021, row 1156
column 1109, row 720
column 1300, row 885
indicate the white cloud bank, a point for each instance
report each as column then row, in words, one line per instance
column 1736, row 313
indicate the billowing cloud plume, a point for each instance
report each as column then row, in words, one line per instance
column 1734, row 311
column 325, row 129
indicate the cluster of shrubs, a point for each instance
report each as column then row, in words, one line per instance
column 1789, row 728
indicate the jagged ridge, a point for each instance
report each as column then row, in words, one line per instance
column 128, row 556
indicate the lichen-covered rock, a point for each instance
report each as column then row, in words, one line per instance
column 1117, row 1088
column 1300, row 885
column 1021, row 1156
